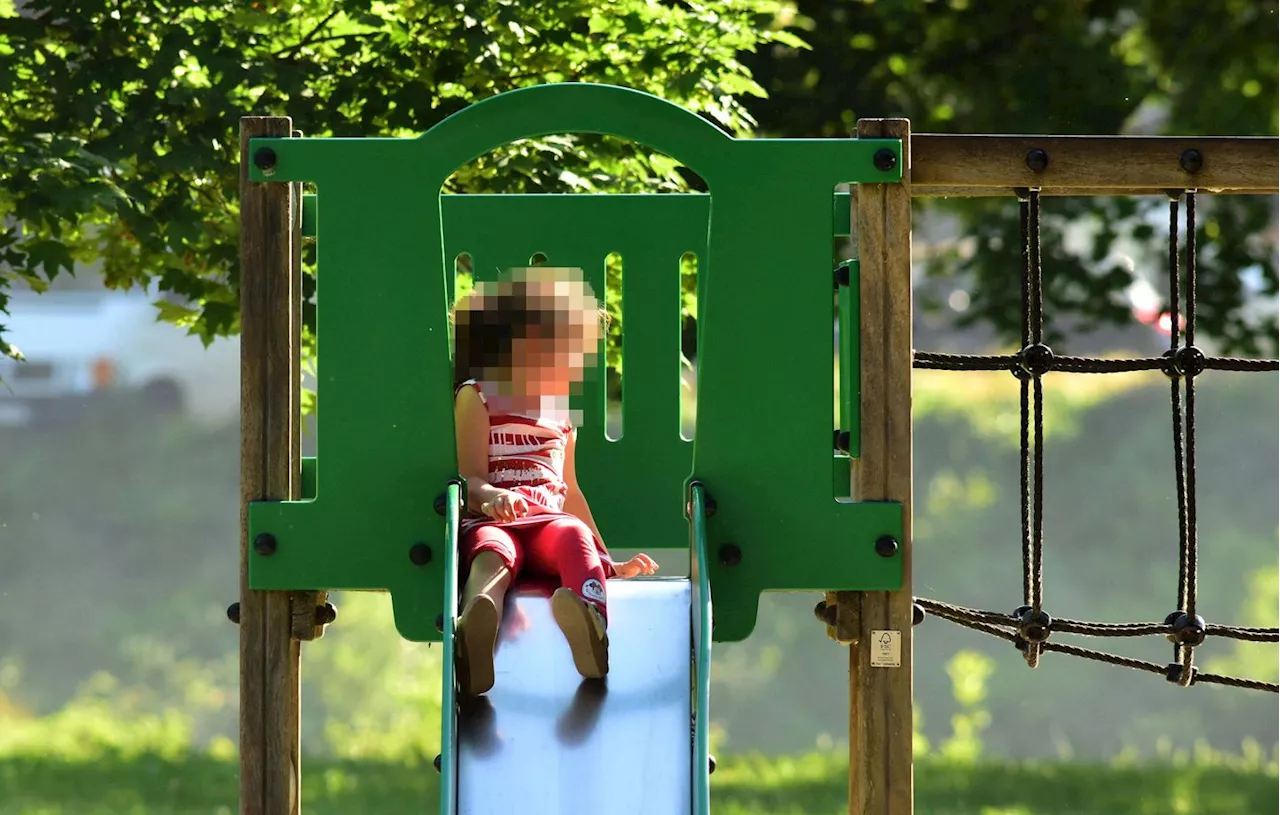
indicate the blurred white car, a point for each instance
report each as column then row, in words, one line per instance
column 83, row 341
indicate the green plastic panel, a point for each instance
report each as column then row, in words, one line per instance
column 763, row 446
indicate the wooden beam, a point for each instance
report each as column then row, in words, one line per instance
column 880, row 711
column 269, row 469
column 1093, row 165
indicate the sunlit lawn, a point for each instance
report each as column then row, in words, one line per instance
column 809, row 785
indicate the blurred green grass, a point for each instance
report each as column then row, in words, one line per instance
column 813, row 784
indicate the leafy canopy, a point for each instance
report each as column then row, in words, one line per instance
column 121, row 128
column 1071, row 67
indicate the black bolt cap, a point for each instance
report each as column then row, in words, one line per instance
column 1191, row 161
column 440, row 623
column 1037, row 160
column 711, row 764
column 709, row 505
column 326, row 614
column 441, row 500
column 420, row 554
column 233, row 613
column 885, row 160
column 886, row 546
column 917, row 614
column 436, row 762
column 264, row 158
column 730, row 554
column 265, row 544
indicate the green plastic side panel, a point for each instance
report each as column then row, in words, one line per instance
column 384, row 368
column 763, row 440
column 702, row 622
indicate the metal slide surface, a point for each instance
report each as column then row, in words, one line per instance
column 544, row 742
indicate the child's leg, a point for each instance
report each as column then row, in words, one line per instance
column 494, row 559
column 565, row 548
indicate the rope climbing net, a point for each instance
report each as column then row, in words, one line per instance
column 1030, row 627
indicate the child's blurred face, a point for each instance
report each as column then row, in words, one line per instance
column 550, row 365
column 555, row 354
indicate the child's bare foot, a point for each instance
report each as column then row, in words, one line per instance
column 477, row 637
column 584, row 628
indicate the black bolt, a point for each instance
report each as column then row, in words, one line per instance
column 441, row 500
column 917, row 614
column 886, row 546
column 264, row 158
column 842, row 275
column 1037, row 160
column 436, row 762
column 709, row 505
column 440, row 623
column 841, row 440
column 885, row 160
column 326, row 614
column 233, row 613
column 730, row 554
column 825, row 613
column 1188, row 630
column 711, row 764
column 420, row 554
column 265, row 544
column 1191, row 161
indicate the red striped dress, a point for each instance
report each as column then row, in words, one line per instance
column 526, row 456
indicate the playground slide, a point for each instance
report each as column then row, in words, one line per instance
column 544, row 742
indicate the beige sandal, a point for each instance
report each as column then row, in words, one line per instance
column 584, row 629
column 475, row 641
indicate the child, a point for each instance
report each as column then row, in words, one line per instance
column 521, row 344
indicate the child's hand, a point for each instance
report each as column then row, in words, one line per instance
column 506, row 506
column 640, row 564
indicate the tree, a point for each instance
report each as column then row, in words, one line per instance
column 120, row 131
column 1060, row 67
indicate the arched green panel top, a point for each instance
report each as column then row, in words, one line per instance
column 577, row 107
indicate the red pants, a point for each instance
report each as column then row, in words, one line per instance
column 561, row 551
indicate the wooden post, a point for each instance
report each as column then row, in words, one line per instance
column 880, row 711
column 269, row 469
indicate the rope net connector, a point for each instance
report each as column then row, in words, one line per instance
column 1185, row 630
column 1034, row 360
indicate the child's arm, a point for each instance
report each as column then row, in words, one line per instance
column 575, row 503
column 471, row 420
